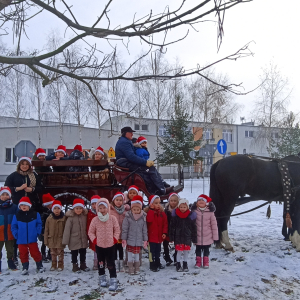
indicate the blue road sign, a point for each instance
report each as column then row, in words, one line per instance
column 222, row 147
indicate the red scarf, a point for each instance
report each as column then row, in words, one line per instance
column 182, row 215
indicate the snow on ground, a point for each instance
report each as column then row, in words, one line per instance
column 263, row 266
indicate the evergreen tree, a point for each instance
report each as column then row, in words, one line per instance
column 288, row 142
column 178, row 140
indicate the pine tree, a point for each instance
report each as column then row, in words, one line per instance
column 178, row 140
column 288, row 142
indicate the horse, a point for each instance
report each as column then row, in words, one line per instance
column 234, row 177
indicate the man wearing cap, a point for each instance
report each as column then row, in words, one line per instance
column 127, row 158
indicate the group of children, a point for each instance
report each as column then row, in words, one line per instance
column 108, row 228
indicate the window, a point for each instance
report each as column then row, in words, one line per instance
column 227, row 135
column 161, row 130
column 207, row 134
column 49, row 151
column 10, row 156
column 249, row 133
column 136, row 127
column 145, row 127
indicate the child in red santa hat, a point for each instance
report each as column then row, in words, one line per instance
column 119, row 209
column 157, row 224
column 55, row 225
column 40, row 155
column 132, row 191
column 92, row 213
column 75, row 234
column 207, row 229
column 183, row 232
column 135, row 234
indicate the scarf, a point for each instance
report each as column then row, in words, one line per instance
column 59, row 216
column 202, row 208
column 5, row 204
column 103, row 218
column 182, row 215
column 170, row 209
column 137, row 216
column 31, row 176
column 119, row 210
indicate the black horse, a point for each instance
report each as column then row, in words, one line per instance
column 240, row 175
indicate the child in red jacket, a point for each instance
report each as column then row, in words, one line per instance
column 91, row 215
column 157, row 224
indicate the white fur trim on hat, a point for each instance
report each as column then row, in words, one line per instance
column 133, row 188
column 103, row 203
column 143, row 141
column 25, row 158
column 56, row 205
column 48, row 203
column 24, row 203
column 118, row 195
column 94, row 200
column 152, row 200
column 5, row 191
column 97, row 150
column 78, row 204
column 61, row 150
column 136, row 202
column 183, row 201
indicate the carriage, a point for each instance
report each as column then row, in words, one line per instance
column 66, row 186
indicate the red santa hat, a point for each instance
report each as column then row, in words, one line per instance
column 95, row 199
column 25, row 158
column 152, row 198
column 137, row 201
column 5, row 189
column 141, row 140
column 47, row 199
column 204, row 198
column 56, row 203
column 61, row 148
column 39, row 152
column 173, row 194
column 99, row 149
column 78, row 203
column 133, row 187
column 118, row 194
column 78, row 147
column 25, row 201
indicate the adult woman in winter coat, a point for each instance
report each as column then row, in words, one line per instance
column 24, row 182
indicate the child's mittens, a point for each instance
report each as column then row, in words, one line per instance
column 145, row 244
column 124, row 243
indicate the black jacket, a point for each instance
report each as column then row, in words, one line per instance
column 58, row 169
column 183, row 230
column 15, row 180
column 77, row 155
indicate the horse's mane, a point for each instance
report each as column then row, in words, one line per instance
column 291, row 158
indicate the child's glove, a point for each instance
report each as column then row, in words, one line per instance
column 145, row 244
column 150, row 163
column 124, row 243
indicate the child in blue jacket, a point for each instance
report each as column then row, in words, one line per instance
column 141, row 148
column 26, row 226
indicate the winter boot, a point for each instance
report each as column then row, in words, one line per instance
column 175, row 258
column 11, row 265
column 153, row 267
column 45, row 259
column 166, row 185
column 76, row 268
column 160, row 265
column 84, row 267
column 136, row 267
column 185, row 267
column 95, row 267
column 102, row 281
column 117, row 263
column 16, row 262
column 60, row 266
column 122, row 266
column 54, row 265
column 25, row 268
column 130, row 268
column 113, row 284
column 205, row 262
column 168, row 260
column 178, row 267
column 39, row 267
column 198, row 262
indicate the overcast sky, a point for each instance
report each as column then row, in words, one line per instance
column 271, row 24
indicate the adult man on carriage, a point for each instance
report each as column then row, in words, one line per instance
column 127, row 158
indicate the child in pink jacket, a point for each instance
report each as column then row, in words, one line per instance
column 104, row 231
column 207, row 229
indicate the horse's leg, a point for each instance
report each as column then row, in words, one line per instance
column 285, row 230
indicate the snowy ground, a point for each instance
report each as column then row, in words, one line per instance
column 263, row 266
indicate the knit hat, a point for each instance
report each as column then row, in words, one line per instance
column 25, row 201
column 173, row 194
column 99, row 149
column 78, row 147
column 204, row 198
column 78, row 202
column 95, row 198
column 47, row 199
column 133, row 187
column 183, row 201
column 152, row 198
column 137, row 201
column 118, row 194
column 39, row 152
column 5, row 189
column 25, row 158
column 61, row 148
column 141, row 140
column 56, row 203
